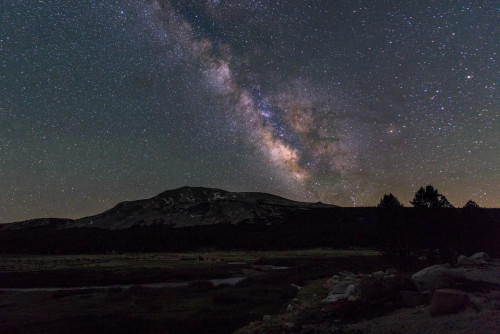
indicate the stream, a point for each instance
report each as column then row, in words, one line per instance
column 215, row 282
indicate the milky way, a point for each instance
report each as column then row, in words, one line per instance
column 333, row 101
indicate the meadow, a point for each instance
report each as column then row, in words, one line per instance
column 197, row 307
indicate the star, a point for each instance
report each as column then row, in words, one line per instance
column 325, row 101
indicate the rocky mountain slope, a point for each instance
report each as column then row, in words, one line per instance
column 186, row 206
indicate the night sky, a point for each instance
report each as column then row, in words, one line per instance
column 332, row 101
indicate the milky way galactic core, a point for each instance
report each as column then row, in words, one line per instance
column 332, row 101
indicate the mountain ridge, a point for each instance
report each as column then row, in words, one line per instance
column 182, row 207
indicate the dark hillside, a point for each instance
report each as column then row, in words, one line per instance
column 405, row 231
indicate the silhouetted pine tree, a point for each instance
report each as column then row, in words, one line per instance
column 389, row 201
column 430, row 198
column 471, row 205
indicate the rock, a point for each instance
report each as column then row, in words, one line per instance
column 288, row 325
column 330, row 282
column 352, row 298
column 436, row 277
column 464, row 261
column 480, row 257
column 297, row 287
column 447, row 301
column 349, row 291
column 347, row 275
column 379, row 273
column 332, row 298
column 267, row 318
column 412, row 298
column 290, row 308
column 341, row 286
column 391, row 271
column 351, row 278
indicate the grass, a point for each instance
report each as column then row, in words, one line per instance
column 197, row 308
column 312, row 293
column 193, row 309
column 19, row 263
column 85, row 270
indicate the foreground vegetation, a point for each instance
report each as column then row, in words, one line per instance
column 197, row 308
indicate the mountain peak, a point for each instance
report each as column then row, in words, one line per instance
column 193, row 194
column 194, row 206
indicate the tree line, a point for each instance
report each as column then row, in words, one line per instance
column 432, row 227
column 427, row 197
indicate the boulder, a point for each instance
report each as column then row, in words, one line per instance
column 331, row 282
column 288, row 325
column 353, row 298
column 332, row 298
column 412, row 298
column 447, row 301
column 349, row 291
column 347, row 275
column 436, row 277
column 391, row 271
column 378, row 274
column 480, row 257
column 341, row 286
column 464, row 261
column 266, row 318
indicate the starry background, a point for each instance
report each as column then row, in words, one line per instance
column 333, row 101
